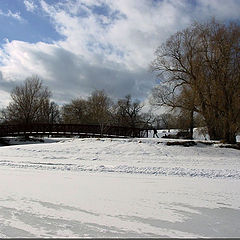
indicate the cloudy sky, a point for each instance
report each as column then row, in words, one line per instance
column 77, row 46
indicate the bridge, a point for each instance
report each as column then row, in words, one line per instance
column 81, row 130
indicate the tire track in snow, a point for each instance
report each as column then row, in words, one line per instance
column 162, row 171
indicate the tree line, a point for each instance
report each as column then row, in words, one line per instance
column 198, row 71
column 30, row 103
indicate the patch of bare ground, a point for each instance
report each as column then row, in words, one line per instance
column 194, row 143
column 234, row 146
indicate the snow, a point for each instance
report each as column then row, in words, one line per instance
column 119, row 188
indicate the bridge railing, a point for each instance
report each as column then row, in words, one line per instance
column 69, row 129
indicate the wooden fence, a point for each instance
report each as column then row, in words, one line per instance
column 81, row 130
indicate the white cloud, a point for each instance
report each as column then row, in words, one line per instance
column 4, row 96
column 130, row 39
column 107, row 44
column 30, row 6
column 67, row 74
column 10, row 14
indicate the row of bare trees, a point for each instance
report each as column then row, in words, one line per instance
column 100, row 109
column 30, row 103
column 199, row 72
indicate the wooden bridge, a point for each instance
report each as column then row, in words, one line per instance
column 81, row 130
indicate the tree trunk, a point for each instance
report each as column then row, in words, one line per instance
column 229, row 135
column 230, row 138
column 213, row 132
column 191, row 124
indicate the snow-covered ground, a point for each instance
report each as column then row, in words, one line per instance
column 119, row 188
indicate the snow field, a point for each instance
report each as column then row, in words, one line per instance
column 140, row 156
column 119, row 188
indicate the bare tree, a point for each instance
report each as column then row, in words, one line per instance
column 96, row 109
column 29, row 102
column 99, row 109
column 128, row 112
column 4, row 116
column 199, row 71
column 76, row 112
column 54, row 113
column 183, row 102
column 168, row 121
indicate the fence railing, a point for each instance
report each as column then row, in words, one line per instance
column 70, row 130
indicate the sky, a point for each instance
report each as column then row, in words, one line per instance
column 78, row 46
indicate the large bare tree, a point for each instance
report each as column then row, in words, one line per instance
column 30, row 102
column 199, row 71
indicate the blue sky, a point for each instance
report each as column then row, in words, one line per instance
column 31, row 27
column 77, row 46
